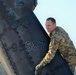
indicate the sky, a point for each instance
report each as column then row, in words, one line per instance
column 64, row 11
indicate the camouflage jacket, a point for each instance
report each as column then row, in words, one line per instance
column 60, row 40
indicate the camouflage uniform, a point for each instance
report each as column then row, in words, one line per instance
column 60, row 40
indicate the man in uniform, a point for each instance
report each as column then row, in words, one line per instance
column 59, row 40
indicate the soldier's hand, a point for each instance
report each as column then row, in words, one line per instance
column 38, row 69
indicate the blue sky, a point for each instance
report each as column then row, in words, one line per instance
column 64, row 11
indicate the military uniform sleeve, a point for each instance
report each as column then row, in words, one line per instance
column 71, row 58
column 53, row 46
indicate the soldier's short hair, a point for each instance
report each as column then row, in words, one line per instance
column 52, row 19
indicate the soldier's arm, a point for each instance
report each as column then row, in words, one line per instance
column 72, row 59
column 53, row 46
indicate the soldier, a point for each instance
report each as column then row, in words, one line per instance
column 59, row 40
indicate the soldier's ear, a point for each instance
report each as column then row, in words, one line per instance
column 54, row 24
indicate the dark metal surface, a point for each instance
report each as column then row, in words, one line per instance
column 24, row 40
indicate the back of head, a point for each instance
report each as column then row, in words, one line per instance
column 17, row 7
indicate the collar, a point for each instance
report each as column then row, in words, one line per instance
column 52, row 33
